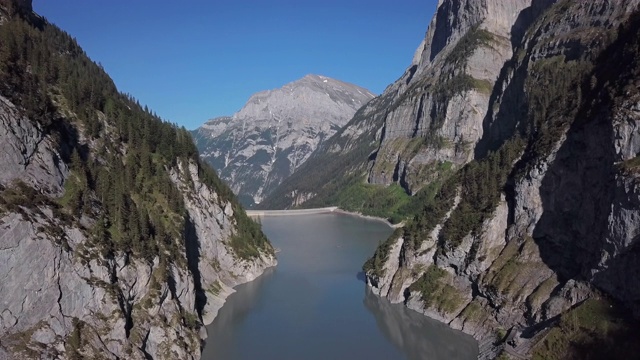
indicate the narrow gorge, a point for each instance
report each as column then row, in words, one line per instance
column 507, row 154
column 116, row 240
column 514, row 135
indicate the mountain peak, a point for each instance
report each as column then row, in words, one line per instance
column 314, row 96
column 322, row 81
column 276, row 131
column 318, row 79
column 314, row 77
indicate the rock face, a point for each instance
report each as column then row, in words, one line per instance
column 25, row 153
column 122, row 306
column 276, row 132
column 217, row 266
column 522, row 92
column 110, row 248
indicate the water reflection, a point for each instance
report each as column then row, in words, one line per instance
column 418, row 336
column 235, row 309
column 310, row 307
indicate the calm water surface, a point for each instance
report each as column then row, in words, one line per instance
column 315, row 305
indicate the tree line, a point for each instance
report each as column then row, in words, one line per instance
column 119, row 152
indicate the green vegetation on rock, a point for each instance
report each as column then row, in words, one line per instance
column 435, row 291
column 74, row 341
column 20, row 197
column 467, row 45
column 374, row 200
column 120, row 153
column 433, row 202
column 596, row 329
column 475, row 312
column 249, row 241
column 482, row 183
column 555, row 89
column 375, row 265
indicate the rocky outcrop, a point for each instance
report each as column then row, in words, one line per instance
column 512, row 111
column 117, row 307
column 116, row 241
column 64, row 297
column 566, row 222
column 26, row 153
column 276, row 132
column 218, row 269
column 444, row 96
column 432, row 117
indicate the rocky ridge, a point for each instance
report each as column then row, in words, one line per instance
column 276, row 132
column 548, row 243
column 78, row 281
column 52, row 288
column 522, row 92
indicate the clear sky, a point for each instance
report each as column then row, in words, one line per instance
column 193, row 60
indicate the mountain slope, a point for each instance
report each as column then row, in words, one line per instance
column 116, row 241
column 276, row 132
column 431, row 117
column 517, row 137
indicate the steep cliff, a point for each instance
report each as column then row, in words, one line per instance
column 114, row 243
column 276, row 132
column 515, row 129
column 431, row 118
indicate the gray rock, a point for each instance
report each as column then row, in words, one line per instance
column 276, row 132
column 219, row 268
column 569, row 221
column 26, row 154
column 46, row 287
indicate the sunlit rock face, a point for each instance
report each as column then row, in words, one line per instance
column 490, row 75
column 276, row 131
column 55, row 284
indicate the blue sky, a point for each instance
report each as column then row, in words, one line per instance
column 190, row 61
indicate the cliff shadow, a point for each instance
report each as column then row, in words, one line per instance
column 621, row 267
column 526, row 18
column 618, row 344
column 192, row 250
column 498, row 126
column 576, row 194
column 443, row 27
column 579, row 191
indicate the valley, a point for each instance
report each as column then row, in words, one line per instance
column 486, row 204
column 330, row 313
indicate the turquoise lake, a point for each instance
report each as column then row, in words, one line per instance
column 315, row 303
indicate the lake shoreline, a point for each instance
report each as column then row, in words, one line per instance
column 321, row 259
column 369, row 217
column 315, row 211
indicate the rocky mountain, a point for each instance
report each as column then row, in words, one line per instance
column 276, row 132
column 514, row 135
column 116, row 241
